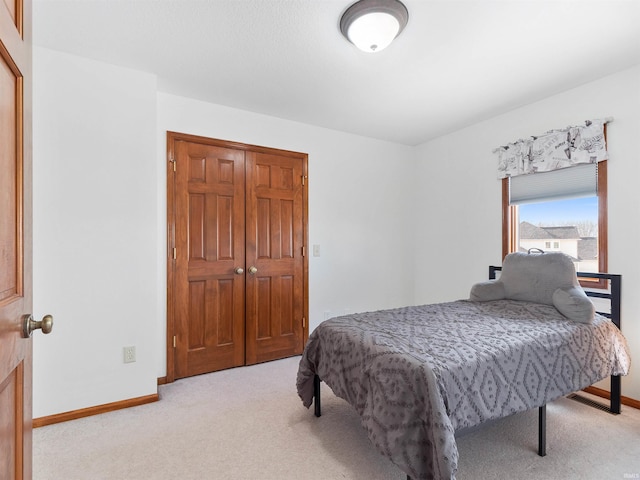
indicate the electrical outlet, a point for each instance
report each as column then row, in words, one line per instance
column 129, row 354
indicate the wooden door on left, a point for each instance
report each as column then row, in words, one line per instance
column 15, row 239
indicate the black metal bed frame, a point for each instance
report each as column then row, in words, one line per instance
column 616, row 389
column 614, row 315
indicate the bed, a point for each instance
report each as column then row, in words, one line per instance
column 417, row 375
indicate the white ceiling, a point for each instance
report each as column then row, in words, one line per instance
column 456, row 63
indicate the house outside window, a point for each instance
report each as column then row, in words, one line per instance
column 566, row 239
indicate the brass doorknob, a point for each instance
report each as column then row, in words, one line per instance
column 239, row 270
column 253, row 270
column 29, row 325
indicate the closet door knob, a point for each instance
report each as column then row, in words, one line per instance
column 239, row 270
column 253, row 270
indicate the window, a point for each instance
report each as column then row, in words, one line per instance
column 576, row 225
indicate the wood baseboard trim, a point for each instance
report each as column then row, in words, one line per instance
column 162, row 380
column 98, row 409
column 630, row 402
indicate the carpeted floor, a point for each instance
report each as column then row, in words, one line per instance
column 249, row 424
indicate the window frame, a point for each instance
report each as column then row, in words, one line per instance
column 510, row 225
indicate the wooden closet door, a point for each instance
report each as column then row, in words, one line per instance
column 210, row 246
column 274, row 248
column 237, row 277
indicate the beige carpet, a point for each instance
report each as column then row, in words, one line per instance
column 248, row 424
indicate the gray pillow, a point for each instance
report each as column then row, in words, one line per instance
column 574, row 304
column 548, row 278
column 489, row 290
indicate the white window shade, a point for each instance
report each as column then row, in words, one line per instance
column 572, row 182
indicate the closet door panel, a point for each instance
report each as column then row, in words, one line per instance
column 209, row 294
column 274, row 225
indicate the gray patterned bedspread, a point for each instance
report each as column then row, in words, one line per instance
column 417, row 374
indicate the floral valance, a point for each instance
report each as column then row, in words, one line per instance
column 554, row 150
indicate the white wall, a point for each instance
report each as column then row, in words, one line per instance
column 95, row 268
column 462, row 196
column 360, row 209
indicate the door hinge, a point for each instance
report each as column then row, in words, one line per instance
column 304, row 322
column 304, row 179
column 304, row 252
column 175, row 253
column 174, row 341
column 173, row 162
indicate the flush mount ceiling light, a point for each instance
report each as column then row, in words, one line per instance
column 371, row 25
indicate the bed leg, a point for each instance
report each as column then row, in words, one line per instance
column 615, row 394
column 316, row 395
column 542, row 431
